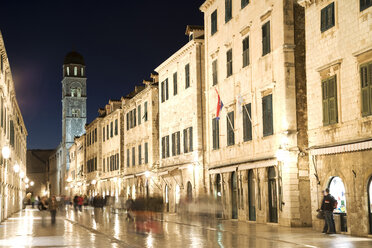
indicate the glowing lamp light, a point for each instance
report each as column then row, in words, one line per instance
column 93, row 182
column 190, row 167
column 26, row 180
column 6, row 152
column 32, row 183
column 69, row 179
column 16, row 168
column 21, row 174
column 282, row 155
column 147, row 174
column 79, row 183
column 27, row 186
column 66, row 188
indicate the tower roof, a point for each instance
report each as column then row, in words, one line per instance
column 74, row 57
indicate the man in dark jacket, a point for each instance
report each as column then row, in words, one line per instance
column 327, row 207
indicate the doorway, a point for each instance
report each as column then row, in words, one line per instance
column 234, row 194
column 189, row 192
column 251, row 196
column 218, row 196
column 273, row 197
column 167, row 198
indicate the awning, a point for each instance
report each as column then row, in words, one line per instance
column 226, row 169
column 359, row 146
column 258, row 164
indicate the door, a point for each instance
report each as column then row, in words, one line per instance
column 189, row 191
column 251, row 196
column 167, row 198
column 370, row 204
column 273, row 199
column 234, row 196
column 218, row 196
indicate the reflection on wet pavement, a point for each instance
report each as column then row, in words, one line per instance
column 102, row 228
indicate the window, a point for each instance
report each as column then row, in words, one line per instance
column 163, row 147
column 82, row 71
column 267, row 115
column 75, row 71
column 365, row 4
column 266, row 38
column 247, row 122
column 116, row 127
column 139, row 114
column 133, row 156
column 103, row 164
column 2, row 112
column 176, row 144
column 167, row 154
column 2, row 63
column 228, row 10
column 214, row 72
column 146, row 153
column 128, row 158
column 75, row 112
column 134, row 117
column 187, row 140
column 11, row 129
column 216, row 133
column 117, row 161
column 139, row 154
column 244, row 3
column 229, row 68
column 107, row 132
column 366, row 81
column 230, row 128
column 112, row 129
column 246, row 51
column 95, row 135
column 329, row 90
column 166, row 90
column 127, row 121
column 175, row 83
column 327, row 17
column 187, row 76
column 214, row 22
column 162, row 96
column 145, row 114
column 173, row 144
column 67, row 71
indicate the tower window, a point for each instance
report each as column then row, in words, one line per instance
column 68, row 71
column 73, row 92
column 75, row 71
column 78, row 92
column 82, row 71
column 75, row 113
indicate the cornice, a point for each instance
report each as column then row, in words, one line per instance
column 206, row 5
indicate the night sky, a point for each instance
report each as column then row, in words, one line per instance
column 122, row 43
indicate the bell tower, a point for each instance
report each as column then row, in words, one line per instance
column 74, row 99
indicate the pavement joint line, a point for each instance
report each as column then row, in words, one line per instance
column 101, row 233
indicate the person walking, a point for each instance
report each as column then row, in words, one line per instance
column 76, row 202
column 129, row 204
column 328, row 205
column 53, row 206
column 43, row 206
column 33, row 201
column 80, row 202
column 98, row 208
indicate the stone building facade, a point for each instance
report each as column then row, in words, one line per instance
column 181, row 116
column 140, row 149
column 256, row 144
column 339, row 76
column 13, row 142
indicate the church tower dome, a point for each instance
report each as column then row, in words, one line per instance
column 74, row 57
column 73, row 65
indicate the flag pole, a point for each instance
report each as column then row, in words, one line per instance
column 231, row 125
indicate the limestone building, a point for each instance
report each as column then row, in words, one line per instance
column 181, row 117
column 140, row 148
column 339, row 77
column 13, row 142
column 76, row 174
column 256, row 110
column 74, row 116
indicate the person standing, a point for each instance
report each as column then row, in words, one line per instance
column 328, row 207
column 53, row 206
column 80, row 202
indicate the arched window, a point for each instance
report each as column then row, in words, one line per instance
column 75, row 113
column 68, row 71
column 337, row 190
column 78, row 92
column 75, row 71
column 82, row 71
column 73, row 92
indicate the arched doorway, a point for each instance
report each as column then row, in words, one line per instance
column 251, row 196
column 167, row 198
column 337, row 190
column 234, row 196
column 189, row 192
column 177, row 197
column 273, row 197
column 369, row 189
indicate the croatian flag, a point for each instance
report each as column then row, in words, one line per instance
column 219, row 105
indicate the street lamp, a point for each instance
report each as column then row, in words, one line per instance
column 16, row 168
column 21, row 174
column 26, row 180
column 6, row 152
column 32, row 183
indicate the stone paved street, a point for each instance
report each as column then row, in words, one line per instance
column 91, row 228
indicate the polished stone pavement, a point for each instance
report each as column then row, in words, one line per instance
column 96, row 228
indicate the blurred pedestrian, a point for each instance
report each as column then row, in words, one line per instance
column 43, row 206
column 86, row 200
column 328, row 205
column 53, row 206
column 32, row 201
column 76, row 199
column 98, row 206
column 80, row 202
column 129, row 204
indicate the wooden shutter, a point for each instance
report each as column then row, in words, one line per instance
column 325, row 102
column 162, row 92
column 166, row 89
column 331, row 15
column 190, row 140
column 146, row 152
column 163, row 147
column 214, row 133
column 175, row 83
column 332, row 103
column 323, row 19
column 365, row 87
column 178, row 136
column 173, row 144
column 214, row 72
column 185, row 150
column 139, row 118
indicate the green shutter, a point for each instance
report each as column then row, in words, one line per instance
column 190, row 140
column 214, row 133
column 365, row 87
column 332, row 104
column 370, row 87
column 185, row 141
column 325, row 102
